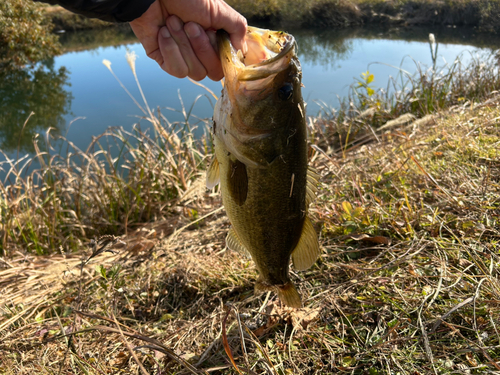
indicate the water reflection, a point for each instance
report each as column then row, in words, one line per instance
column 324, row 48
column 42, row 90
column 330, row 59
column 318, row 47
column 92, row 39
column 327, row 47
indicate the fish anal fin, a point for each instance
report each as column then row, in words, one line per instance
column 233, row 242
column 238, row 181
column 307, row 250
column 287, row 293
column 213, row 173
column 312, row 185
column 312, row 174
column 310, row 195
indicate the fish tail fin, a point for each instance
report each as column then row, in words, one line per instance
column 289, row 296
column 287, row 293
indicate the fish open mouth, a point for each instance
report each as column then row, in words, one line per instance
column 251, row 98
column 269, row 52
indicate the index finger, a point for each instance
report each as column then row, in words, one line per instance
column 234, row 23
column 205, row 52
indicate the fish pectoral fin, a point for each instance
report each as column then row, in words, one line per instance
column 312, row 185
column 287, row 293
column 213, row 173
column 307, row 250
column 238, row 181
column 233, row 242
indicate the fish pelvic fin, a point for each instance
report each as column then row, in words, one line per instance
column 213, row 173
column 287, row 293
column 307, row 250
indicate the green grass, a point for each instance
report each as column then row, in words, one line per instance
column 409, row 96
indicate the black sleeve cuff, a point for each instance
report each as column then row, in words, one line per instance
column 129, row 10
column 106, row 10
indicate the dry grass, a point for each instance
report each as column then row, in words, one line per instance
column 408, row 214
column 407, row 281
column 63, row 19
column 123, row 179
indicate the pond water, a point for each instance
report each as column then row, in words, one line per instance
column 79, row 98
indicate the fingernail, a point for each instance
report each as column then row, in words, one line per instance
column 164, row 32
column 192, row 30
column 175, row 23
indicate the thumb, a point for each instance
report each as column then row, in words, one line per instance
column 234, row 23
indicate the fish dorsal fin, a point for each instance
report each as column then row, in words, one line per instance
column 312, row 185
column 307, row 250
column 213, row 173
column 238, row 181
column 233, row 242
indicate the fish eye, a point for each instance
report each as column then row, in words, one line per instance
column 286, row 91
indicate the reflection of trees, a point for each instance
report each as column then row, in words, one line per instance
column 323, row 48
column 328, row 47
column 39, row 89
column 92, row 39
column 461, row 35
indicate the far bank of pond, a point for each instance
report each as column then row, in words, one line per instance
column 316, row 14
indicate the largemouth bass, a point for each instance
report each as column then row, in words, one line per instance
column 260, row 140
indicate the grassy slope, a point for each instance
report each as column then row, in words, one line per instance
column 409, row 232
column 484, row 14
column 407, row 281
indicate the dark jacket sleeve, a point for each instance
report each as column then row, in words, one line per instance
column 107, row 10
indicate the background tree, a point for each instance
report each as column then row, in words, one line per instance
column 25, row 34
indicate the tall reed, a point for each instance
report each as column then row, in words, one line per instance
column 122, row 179
column 428, row 90
column 71, row 197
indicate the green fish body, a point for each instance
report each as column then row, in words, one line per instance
column 260, row 139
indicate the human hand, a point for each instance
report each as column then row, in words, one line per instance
column 180, row 35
